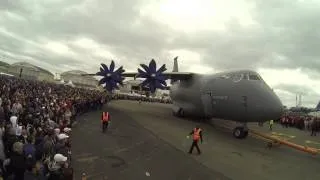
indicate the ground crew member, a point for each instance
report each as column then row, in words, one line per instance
column 105, row 119
column 270, row 125
column 196, row 136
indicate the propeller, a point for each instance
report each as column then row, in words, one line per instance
column 154, row 79
column 111, row 77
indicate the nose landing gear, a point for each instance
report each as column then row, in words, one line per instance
column 179, row 113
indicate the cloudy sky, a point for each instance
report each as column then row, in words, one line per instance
column 277, row 38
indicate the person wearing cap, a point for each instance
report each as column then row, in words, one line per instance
column 60, row 146
column 196, row 136
column 56, row 167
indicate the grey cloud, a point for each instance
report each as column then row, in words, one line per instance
column 308, row 95
column 114, row 23
column 10, row 5
column 297, row 89
column 286, row 28
column 286, row 36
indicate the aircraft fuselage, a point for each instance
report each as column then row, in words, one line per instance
column 240, row 96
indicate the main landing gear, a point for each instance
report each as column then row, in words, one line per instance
column 179, row 113
column 241, row 132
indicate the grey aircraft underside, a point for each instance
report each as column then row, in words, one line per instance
column 241, row 96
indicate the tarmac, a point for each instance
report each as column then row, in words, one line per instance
column 146, row 142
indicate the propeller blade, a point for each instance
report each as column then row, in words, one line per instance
column 119, row 70
column 146, row 68
column 161, row 77
column 152, row 88
column 101, row 69
column 117, row 78
column 145, row 82
column 142, row 74
column 153, row 66
column 102, row 81
column 105, row 67
column 99, row 73
column 111, row 66
column 162, row 82
column 162, row 69
column 108, row 86
column 157, row 84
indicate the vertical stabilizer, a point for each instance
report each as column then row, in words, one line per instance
column 175, row 68
column 175, row 65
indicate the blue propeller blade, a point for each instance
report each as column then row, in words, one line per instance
column 111, row 66
column 105, row 67
column 145, row 67
column 154, row 79
column 153, row 66
column 162, row 69
column 111, row 78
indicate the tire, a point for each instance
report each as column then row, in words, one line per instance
column 238, row 132
column 181, row 112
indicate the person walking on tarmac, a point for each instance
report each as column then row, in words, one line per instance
column 105, row 120
column 196, row 136
column 270, row 125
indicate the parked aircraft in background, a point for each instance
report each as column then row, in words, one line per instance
column 241, row 96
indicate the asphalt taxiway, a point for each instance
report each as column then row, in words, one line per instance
column 145, row 138
column 129, row 151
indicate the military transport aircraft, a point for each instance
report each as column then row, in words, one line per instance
column 241, row 96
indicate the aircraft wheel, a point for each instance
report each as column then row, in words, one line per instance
column 181, row 113
column 238, row 132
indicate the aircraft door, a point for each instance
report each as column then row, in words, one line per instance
column 208, row 104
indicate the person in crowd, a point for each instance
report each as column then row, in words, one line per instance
column 35, row 125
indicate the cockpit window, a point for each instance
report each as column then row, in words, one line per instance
column 254, row 77
column 236, row 77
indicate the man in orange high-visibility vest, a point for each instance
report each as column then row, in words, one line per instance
column 196, row 136
column 105, row 119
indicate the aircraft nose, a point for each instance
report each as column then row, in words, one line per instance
column 266, row 104
column 274, row 106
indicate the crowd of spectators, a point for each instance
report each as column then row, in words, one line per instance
column 303, row 122
column 35, row 127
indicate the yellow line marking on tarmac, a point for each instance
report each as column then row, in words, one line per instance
column 282, row 134
column 312, row 142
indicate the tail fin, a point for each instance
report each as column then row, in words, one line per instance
column 175, row 65
column 175, row 68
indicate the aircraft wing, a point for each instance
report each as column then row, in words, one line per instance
column 170, row 75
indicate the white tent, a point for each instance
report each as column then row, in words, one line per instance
column 70, row 83
column 61, row 81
